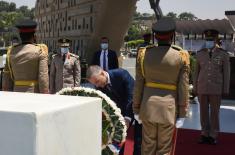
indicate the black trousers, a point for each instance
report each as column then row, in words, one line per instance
column 137, row 140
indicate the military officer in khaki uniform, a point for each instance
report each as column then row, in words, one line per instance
column 26, row 67
column 161, row 89
column 65, row 68
column 211, row 81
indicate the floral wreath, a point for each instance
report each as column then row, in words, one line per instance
column 113, row 123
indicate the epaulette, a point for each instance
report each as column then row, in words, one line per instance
column 74, row 55
column 183, row 53
column 178, row 48
column 43, row 47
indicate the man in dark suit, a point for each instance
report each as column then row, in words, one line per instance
column 105, row 58
column 117, row 84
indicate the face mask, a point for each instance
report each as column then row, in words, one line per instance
column 64, row 50
column 104, row 46
column 210, row 44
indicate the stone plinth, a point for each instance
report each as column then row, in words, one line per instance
column 36, row 124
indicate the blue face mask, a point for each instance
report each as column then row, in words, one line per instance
column 104, row 46
column 64, row 50
column 210, row 44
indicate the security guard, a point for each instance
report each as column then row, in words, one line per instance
column 161, row 89
column 26, row 65
column 65, row 68
column 212, row 78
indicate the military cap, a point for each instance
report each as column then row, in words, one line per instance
column 211, row 34
column 164, row 25
column 64, row 42
column 26, row 26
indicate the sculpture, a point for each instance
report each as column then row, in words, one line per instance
column 156, row 8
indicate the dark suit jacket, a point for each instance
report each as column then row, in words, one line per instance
column 121, row 90
column 112, row 59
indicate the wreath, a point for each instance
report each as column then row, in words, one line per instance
column 113, row 123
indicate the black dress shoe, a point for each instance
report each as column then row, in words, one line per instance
column 203, row 140
column 212, row 141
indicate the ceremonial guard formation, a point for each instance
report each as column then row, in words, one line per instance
column 156, row 101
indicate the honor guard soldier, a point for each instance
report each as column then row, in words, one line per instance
column 65, row 68
column 212, row 78
column 161, row 89
column 26, row 67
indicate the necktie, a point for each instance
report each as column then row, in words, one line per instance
column 104, row 61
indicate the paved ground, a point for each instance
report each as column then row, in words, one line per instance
column 129, row 64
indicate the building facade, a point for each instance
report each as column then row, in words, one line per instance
column 84, row 22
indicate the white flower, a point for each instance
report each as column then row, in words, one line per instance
column 107, row 114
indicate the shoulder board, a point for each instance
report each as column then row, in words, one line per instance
column 178, row 48
column 150, row 46
column 43, row 47
column 74, row 55
column 183, row 53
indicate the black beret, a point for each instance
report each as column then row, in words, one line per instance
column 164, row 25
column 26, row 25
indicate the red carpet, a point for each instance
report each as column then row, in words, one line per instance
column 129, row 142
column 187, row 144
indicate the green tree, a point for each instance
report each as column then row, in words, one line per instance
column 172, row 15
column 137, row 15
column 12, row 7
column 24, row 10
column 134, row 32
column 187, row 16
column 4, row 6
column 29, row 13
column 8, row 19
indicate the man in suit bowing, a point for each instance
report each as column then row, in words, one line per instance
column 105, row 58
column 117, row 84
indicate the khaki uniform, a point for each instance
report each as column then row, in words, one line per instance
column 64, row 73
column 160, row 93
column 211, row 81
column 26, row 69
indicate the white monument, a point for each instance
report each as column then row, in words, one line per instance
column 36, row 124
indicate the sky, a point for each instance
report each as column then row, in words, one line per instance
column 203, row 9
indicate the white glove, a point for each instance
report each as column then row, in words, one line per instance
column 137, row 118
column 179, row 122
